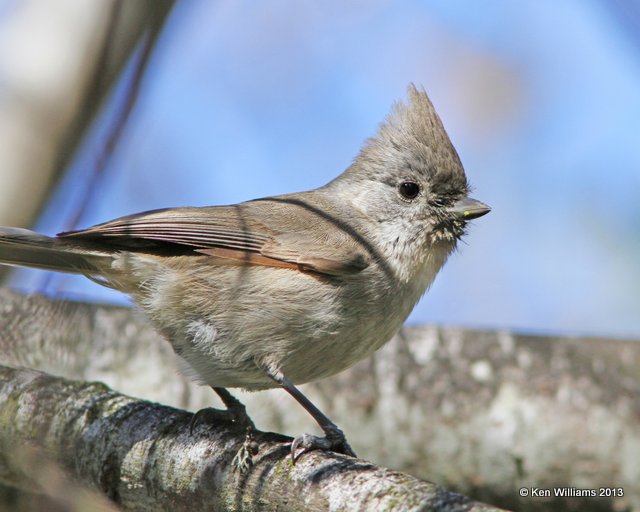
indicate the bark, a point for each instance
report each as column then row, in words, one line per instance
column 142, row 456
column 481, row 412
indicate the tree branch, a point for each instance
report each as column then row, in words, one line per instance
column 47, row 109
column 142, row 456
column 482, row 412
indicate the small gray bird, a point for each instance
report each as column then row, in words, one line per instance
column 287, row 289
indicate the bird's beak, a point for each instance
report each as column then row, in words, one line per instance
column 468, row 208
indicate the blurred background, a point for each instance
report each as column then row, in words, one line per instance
column 203, row 103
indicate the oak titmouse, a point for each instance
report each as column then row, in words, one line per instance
column 288, row 289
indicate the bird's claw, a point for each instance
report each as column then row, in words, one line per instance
column 236, row 415
column 208, row 415
column 243, row 459
column 334, row 441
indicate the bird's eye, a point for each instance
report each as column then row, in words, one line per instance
column 409, row 189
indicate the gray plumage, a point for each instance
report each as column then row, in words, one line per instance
column 305, row 284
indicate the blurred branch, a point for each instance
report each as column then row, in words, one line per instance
column 142, row 457
column 58, row 61
column 483, row 412
column 155, row 20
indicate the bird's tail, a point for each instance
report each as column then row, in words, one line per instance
column 29, row 249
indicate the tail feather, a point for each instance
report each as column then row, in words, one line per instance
column 29, row 249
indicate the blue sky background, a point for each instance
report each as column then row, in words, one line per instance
column 541, row 98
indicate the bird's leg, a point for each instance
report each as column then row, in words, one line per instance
column 334, row 439
column 238, row 413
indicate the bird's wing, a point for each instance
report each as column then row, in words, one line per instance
column 264, row 232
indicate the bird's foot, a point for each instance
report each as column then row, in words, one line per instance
column 209, row 415
column 334, row 441
column 236, row 414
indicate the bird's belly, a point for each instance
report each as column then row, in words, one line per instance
column 226, row 323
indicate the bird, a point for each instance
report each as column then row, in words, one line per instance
column 289, row 289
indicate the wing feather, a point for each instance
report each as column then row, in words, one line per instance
column 255, row 233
